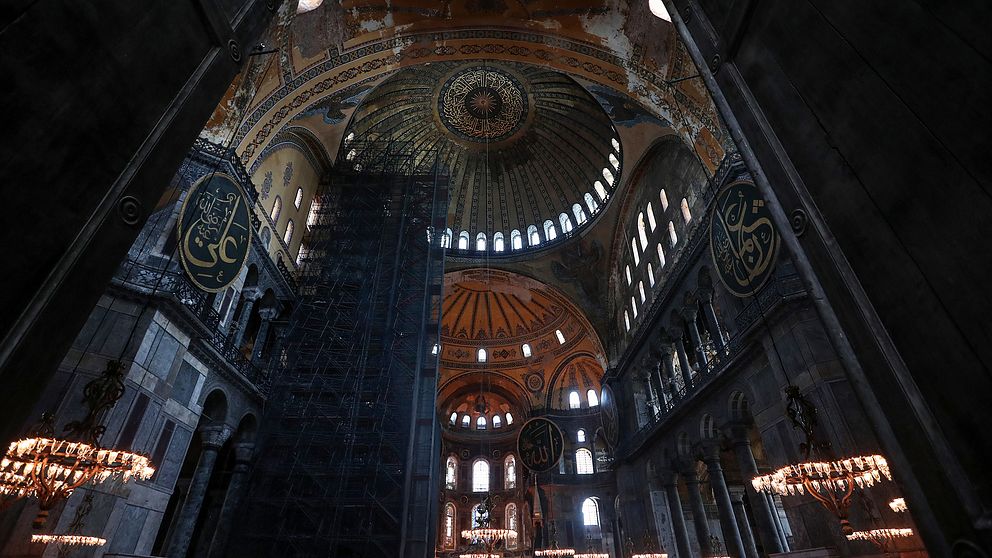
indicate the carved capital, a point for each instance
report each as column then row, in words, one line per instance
column 213, row 437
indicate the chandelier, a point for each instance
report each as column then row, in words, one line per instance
column 880, row 537
column 51, row 468
column 898, row 505
column 830, row 482
column 553, row 550
column 485, row 536
column 478, row 555
column 68, row 540
column 648, row 548
column 598, row 555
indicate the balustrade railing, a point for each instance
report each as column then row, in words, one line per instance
column 772, row 294
column 171, row 285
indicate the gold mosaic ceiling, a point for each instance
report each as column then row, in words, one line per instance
column 525, row 147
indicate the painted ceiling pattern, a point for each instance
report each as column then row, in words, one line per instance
column 524, row 146
column 499, row 312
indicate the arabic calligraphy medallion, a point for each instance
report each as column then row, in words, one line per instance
column 540, row 444
column 482, row 103
column 214, row 232
column 743, row 241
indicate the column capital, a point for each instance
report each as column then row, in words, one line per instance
column 711, row 453
column 251, row 294
column 739, row 434
column 736, row 494
column 243, row 452
column 268, row 313
column 213, row 437
column 667, row 477
column 689, row 313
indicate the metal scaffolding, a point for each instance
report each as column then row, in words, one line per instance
column 349, row 441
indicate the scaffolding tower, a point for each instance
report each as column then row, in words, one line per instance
column 348, row 445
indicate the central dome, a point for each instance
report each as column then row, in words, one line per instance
column 531, row 155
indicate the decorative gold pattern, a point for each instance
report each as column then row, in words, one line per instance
column 482, row 103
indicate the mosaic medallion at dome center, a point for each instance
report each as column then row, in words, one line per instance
column 482, row 104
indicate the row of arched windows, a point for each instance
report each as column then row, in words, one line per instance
column 566, row 222
column 480, row 474
column 482, row 355
column 575, row 401
column 646, row 225
column 481, row 422
column 511, row 520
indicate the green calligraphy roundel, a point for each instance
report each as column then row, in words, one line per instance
column 540, row 444
column 743, row 241
column 214, row 232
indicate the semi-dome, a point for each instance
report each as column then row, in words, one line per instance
column 532, row 156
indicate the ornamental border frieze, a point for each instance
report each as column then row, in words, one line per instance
column 408, row 49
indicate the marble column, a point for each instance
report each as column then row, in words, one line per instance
column 728, row 523
column 212, row 438
column 683, row 362
column 250, row 295
column 236, row 489
column 652, row 394
column 667, row 352
column 654, row 372
column 698, row 511
column 697, row 341
column 711, row 322
column 267, row 315
column 669, row 483
column 743, row 525
column 764, row 514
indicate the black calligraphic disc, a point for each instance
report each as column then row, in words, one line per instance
column 540, row 444
column 611, row 422
column 214, row 232
column 743, row 241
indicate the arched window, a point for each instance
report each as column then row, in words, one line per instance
column 511, row 524
column 497, row 422
column 592, row 397
column 591, row 203
column 616, row 144
column 672, row 237
column 614, row 161
column 627, row 273
column 566, row 223
column 480, row 423
column 633, row 249
column 525, row 349
column 289, row 232
column 583, row 462
column 686, row 215
column 580, row 214
column 449, row 525
column 454, row 418
column 482, row 355
column 650, row 274
column 580, row 436
column 590, row 513
column 446, row 239
column 532, row 235
column 299, row 198
column 560, row 336
column 573, row 400
column 633, row 306
column 276, row 209
column 652, row 224
column 664, row 200
column 509, row 472
column 550, row 233
column 465, row 421
column 480, row 242
column 626, row 321
column 463, row 240
column 450, row 473
column 642, row 233
column 480, row 476
column 498, row 242
column 509, row 419
column 598, row 186
column 661, row 257
column 640, row 287
column 515, row 241
column 608, row 175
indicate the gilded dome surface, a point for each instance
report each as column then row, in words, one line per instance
column 532, row 156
